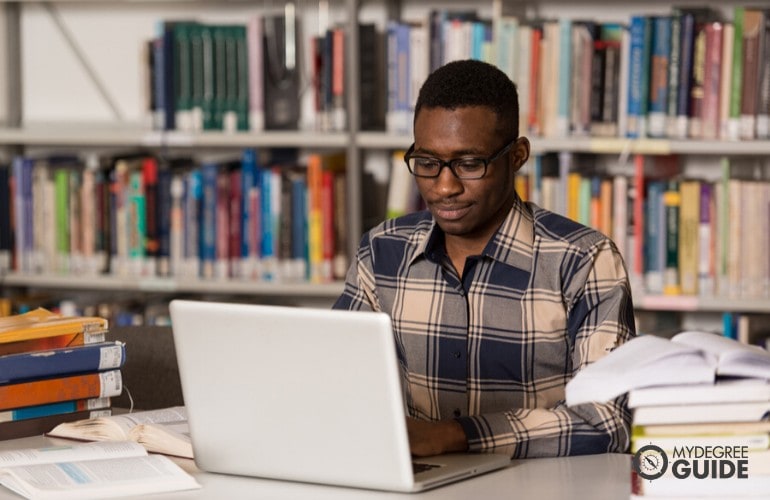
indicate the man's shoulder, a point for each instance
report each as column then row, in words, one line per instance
column 557, row 228
column 405, row 226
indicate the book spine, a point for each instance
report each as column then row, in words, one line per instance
column 222, row 225
column 6, row 237
column 639, row 46
column 725, row 79
column 91, row 385
column 763, row 104
column 165, row 203
column 39, row 364
column 639, row 216
column 733, row 127
column 671, row 203
column 689, row 220
column 711, row 80
column 52, row 342
column 41, row 425
column 63, row 407
column 673, row 71
column 208, row 226
column 706, row 240
column 753, row 30
column 659, row 65
column 565, row 68
column 654, row 261
column 697, row 83
column 235, row 222
column 254, row 37
column 687, row 44
column 152, row 216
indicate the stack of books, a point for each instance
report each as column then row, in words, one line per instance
column 701, row 439
column 700, row 408
column 55, row 369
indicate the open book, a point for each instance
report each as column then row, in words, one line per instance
column 90, row 470
column 160, row 431
column 688, row 358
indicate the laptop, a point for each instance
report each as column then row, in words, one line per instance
column 301, row 394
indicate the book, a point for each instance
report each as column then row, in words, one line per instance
column 43, row 329
column 90, row 470
column 36, row 426
column 56, row 362
column 752, row 411
column 690, row 357
column 160, row 431
column 51, row 390
column 723, row 391
column 37, row 411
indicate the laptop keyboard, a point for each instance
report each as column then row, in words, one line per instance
column 418, row 467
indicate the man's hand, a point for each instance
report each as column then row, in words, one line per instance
column 435, row 438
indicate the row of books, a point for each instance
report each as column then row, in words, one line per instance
column 688, row 74
column 679, row 235
column 240, row 77
column 138, row 216
column 699, row 403
column 55, row 369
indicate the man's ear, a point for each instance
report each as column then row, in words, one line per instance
column 520, row 153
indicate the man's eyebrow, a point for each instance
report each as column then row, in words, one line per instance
column 454, row 154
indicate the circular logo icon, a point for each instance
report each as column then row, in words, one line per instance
column 650, row 462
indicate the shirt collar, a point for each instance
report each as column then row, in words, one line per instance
column 512, row 243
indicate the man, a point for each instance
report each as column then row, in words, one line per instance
column 495, row 303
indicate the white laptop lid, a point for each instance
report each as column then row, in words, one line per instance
column 293, row 393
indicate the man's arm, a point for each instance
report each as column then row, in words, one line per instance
column 600, row 318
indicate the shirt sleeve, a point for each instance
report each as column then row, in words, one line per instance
column 600, row 318
column 359, row 293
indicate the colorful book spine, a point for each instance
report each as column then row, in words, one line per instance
column 41, row 425
column 641, row 35
column 671, row 203
column 37, row 392
column 689, row 224
column 659, row 65
column 62, row 361
column 60, row 408
column 734, row 123
column 208, row 226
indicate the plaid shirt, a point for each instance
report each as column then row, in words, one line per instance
column 495, row 348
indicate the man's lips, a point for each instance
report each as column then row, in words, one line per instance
column 451, row 212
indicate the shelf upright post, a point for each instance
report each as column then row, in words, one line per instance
column 10, row 69
column 354, row 157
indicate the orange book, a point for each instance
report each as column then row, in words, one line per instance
column 53, row 390
column 42, row 329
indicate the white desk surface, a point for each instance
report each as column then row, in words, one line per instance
column 605, row 477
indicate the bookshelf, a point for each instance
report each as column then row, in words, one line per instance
column 23, row 130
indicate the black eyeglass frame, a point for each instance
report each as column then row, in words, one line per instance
column 454, row 161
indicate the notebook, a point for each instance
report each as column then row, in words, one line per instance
column 302, row 394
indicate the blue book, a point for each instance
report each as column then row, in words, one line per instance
column 654, row 239
column 299, row 246
column 267, row 241
column 60, row 408
column 191, row 226
column 63, row 361
column 208, row 226
column 659, row 68
column 638, row 81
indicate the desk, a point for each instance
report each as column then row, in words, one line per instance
column 593, row 476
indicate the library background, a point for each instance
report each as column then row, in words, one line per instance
column 237, row 150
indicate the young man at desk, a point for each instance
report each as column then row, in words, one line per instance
column 496, row 303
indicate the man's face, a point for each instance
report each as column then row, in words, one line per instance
column 467, row 209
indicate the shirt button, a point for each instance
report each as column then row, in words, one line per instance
column 457, row 354
column 457, row 412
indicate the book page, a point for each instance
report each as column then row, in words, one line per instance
column 735, row 358
column 70, row 453
column 171, row 438
column 641, row 362
column 117, row 427
column 94, row 479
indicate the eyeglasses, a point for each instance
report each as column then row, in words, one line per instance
column 466, row 167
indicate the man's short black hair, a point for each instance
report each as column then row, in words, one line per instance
column 473, row 83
